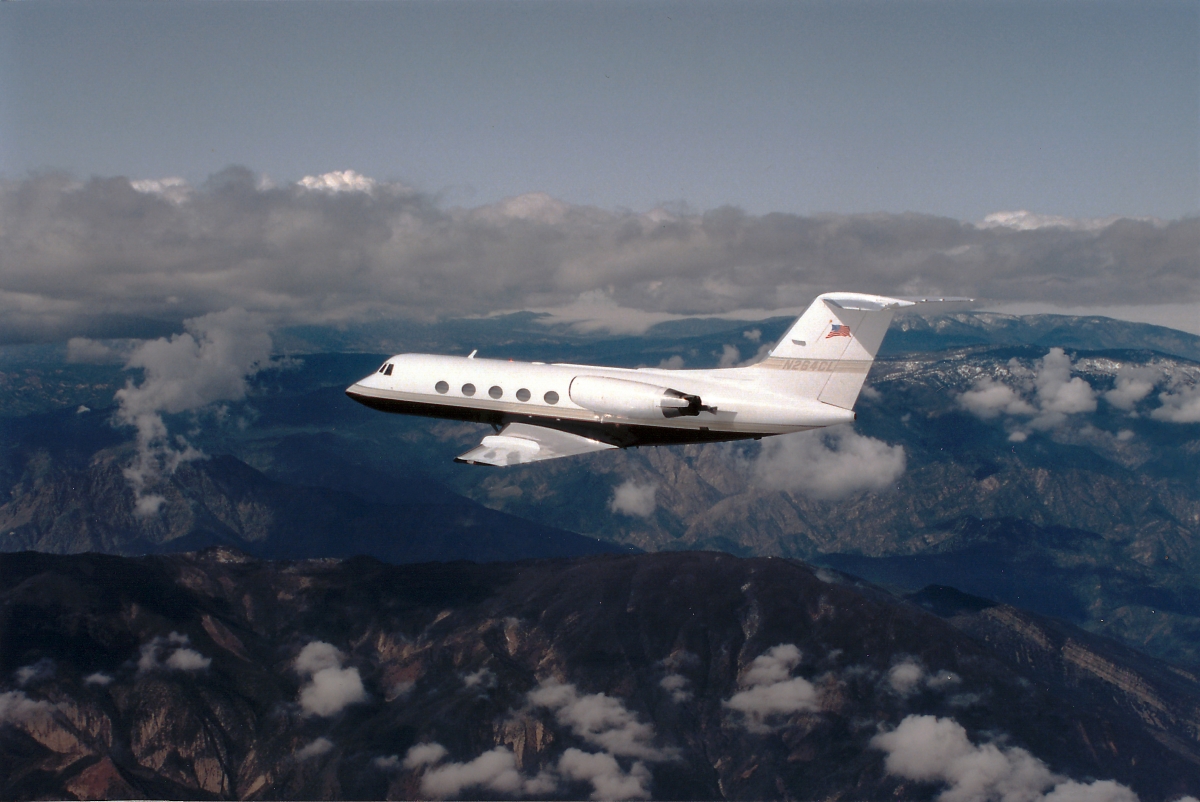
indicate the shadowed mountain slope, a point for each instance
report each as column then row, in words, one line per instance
column 683, row 675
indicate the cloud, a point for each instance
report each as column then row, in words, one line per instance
column 178, row 656
column 1179, row 405
column 1058, row 394
column 424, row 755
column 17, row 708
column 99, row 258
column 1047, row 396
column 988, row 399
column 209, row 362
column 600, row 720
column 81, row 350
column 929, row 749
column 634, row 499
column 676, row 685
column 608, row 779
column 495, row 770
column 98, row 678
column 1131, row 386
column 909, row 676
column 730, row 356
column 318, row 747
column 483, row 679
column 673, row 362
column 330, row 688
column 41, row 670
column 827, row 464
column 769, row 689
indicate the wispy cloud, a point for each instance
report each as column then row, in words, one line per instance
column 208, row 363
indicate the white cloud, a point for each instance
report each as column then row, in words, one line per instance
column 730, row 356
column 482, row 679
column 905, row 678
column 1030, row 221
column 988, row 399
column 1131, row 386
column 608, row 779
column 208, row 363
column 676, row 685
column 827, row 464
column 754, row 335
column 319, row 746
column 600, row 720
column 634, row 499
column 929, row 749
column 1047, row 397
column 1058, row 394
column 17, row 708
column 330, row 688
column 424, row 755
column 1179, row 405
column 386, row 762
column 769, row 689
column 179, row 657
column 337, row 181
column 98, row 678
column 673, row 362
column 495, row 770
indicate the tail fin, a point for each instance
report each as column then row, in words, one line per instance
column 829, row 349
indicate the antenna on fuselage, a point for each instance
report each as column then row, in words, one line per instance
column 472, row 354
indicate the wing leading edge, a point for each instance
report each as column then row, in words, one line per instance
column 519, row 443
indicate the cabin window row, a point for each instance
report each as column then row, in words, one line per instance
column 495, row 391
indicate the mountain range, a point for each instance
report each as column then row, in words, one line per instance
column 693, row 675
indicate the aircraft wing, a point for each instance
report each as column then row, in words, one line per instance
column 518, row 443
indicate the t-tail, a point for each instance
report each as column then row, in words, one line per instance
column 828, row 351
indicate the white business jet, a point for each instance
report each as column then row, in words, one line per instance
column 811, row 378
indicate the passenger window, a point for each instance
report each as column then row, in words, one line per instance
column 551, row 397
column 442, row 387
column 495, row 392
column 388, row 370
column 468, row 389
column 522, row 394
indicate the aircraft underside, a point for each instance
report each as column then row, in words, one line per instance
column 619, row 435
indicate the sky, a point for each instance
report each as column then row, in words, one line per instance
column 335, row 163
column 1082, row 109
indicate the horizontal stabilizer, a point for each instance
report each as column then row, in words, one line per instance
column 520, row 443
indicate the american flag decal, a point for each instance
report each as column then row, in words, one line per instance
column 838, row 331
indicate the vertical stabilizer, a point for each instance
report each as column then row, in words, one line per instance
column 828, row 351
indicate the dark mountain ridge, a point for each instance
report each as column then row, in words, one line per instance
column 62, row 506
column 184, row 676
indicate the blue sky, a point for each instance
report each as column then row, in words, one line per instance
column 1081, row 109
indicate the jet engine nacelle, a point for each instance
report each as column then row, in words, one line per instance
column 629, row 399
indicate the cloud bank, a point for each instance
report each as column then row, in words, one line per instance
column 105, row 256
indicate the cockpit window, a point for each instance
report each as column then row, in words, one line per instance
column 387, row 371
